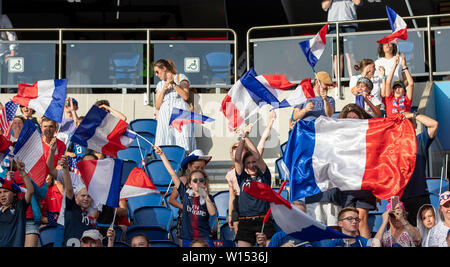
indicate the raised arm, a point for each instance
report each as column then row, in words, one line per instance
column 51, row 155
column 383, row 81
column 389, row 89
column 238, row 157
column 326, row 4
column 68, row 186
column 115, row 112
column 252, row 148
column 429, row 123
column 379, row 235
column 409, row 78
column 266, row 133
column 169, row 168
column 26, row 179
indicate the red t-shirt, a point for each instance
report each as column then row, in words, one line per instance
column 53, row 200
column 60, row 149
column 396, row 104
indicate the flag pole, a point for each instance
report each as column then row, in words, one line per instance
column 140, row 152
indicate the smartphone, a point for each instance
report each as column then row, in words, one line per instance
column 394, row 202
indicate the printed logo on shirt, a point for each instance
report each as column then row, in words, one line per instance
column 195, row 210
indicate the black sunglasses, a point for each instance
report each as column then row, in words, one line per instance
column 196, row 180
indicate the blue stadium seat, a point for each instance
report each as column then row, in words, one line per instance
column 149, row 200
column 47, row 235
column 159, row 175
column 153, row 232
column 154, row 215
column 221, row 199
column 375, row 220
column 145, row 146
column 163, row 243
column 434, row 185
column 128, row 166
column 132, row 153
column 174, row 209
column 281, row 169
column 219, row 67
column 226, row 233
column 144, row 125
column 173, row 153
column 125, row 67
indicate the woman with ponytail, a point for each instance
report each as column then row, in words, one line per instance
column 370, row 102
column 172, row 92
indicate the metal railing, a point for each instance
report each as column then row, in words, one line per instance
column 338, row 34
column 60, row 42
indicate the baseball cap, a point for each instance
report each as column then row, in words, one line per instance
column 324, row 77
column 444, row 198
column 398, row 82
column 93, row 234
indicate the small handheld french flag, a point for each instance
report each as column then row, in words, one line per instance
column 398, row 26
column 181, row 117
column 102, row 180
column 314, row 47
column 103, row 132
column 46, row 97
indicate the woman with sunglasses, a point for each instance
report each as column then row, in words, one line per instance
column 172, row 92
column 198, row 204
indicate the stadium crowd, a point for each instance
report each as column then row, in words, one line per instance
column 383, row 88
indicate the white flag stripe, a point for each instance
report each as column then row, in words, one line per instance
column 31, row 152
column 346, row 138
column 99, row 139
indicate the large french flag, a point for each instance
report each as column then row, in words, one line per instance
column 138, row 184
column 30, row 151
column 181, row 117
column 314, row 47
column 253, row 91
column 377, row 155
column 103, row 132
column 102, row 179
column 290, row 219
column 398, row 26
column 46, row 97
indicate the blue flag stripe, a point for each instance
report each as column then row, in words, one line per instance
column 186, row 114
column 312, row 60
column 88, row 125
column 114, row 190
column 27, row 131
column 298, row 159
column 55, row 110
column 257, row 90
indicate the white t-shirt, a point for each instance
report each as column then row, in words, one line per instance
column 340, row 10
column 388, row 64
column 438, row 235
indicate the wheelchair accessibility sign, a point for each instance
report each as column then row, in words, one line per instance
column 191, row 64
column 15, row 64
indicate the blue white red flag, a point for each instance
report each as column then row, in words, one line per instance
column 138, row 184
column 314, row 47
column 253, row 91
column 103, row 132
column 7, row 114
column 30, row 151
column 46, row 97
column 102, row 179
column 377, row 155
column 290, row 219
column 398, row 26
column 181, row 117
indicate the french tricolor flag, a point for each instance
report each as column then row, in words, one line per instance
column 398, row 26
column 30, row 151
column 46, row 97
column 377, row 155
column 102, row 179
column 314, row 47
column 181, row 117
column 138, row 184
column 290, row 219
column 103, row 132
column 252, row 91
